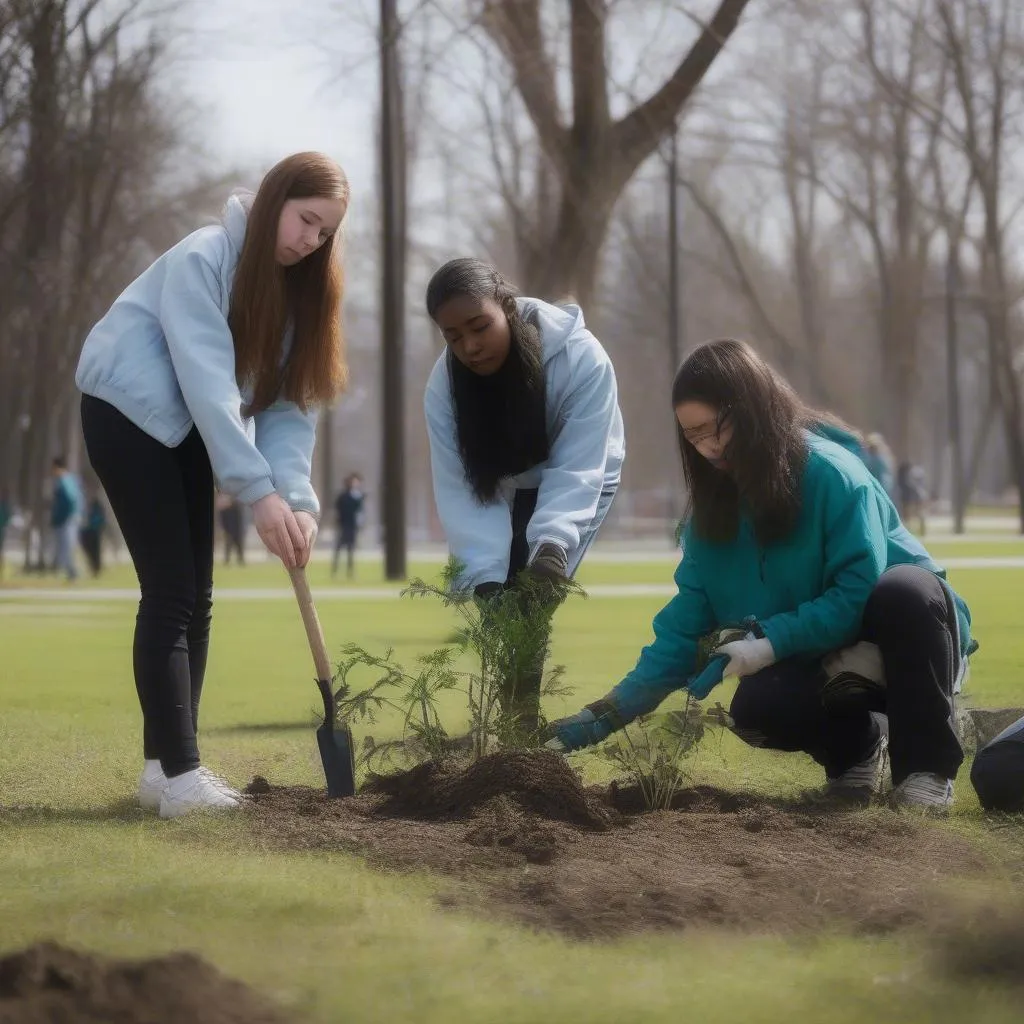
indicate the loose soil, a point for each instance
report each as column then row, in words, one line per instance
column 50, row 984
column 986, row 945
column 519, row 831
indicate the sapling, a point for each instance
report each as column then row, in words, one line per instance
column 653, row 751
column 508, row 639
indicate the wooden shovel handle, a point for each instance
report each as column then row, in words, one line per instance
column 310, row 619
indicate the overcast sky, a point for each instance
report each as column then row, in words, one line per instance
column 270, row 86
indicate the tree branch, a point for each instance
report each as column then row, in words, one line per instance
column 789, row 350
column 516, row 29
column 591, row 118
column 636, row 135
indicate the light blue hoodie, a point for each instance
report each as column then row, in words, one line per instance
column 587, row 448
column 163, row 355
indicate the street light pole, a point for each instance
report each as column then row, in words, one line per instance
column 675, row 341
column 953, row 386
column 392, row 159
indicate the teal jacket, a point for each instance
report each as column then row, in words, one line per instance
column 808, row 591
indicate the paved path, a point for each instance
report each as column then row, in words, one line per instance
column 595, row 590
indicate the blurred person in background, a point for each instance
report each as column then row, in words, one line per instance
column 6, row 512
column 879, row 459
column 91, row 534
column 231, row 513
column 912, row 489
column 65, row 515
column 348, row 509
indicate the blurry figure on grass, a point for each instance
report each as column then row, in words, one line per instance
column 90, row 536
column 846, row 639
column 912, row 487
column 879, row 460
column 6, row 513
column 231, row 513
column 348, row 510
column 526, row 445
column 208, row 371
column 65, row 515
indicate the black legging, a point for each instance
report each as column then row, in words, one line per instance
column 911, row 618
column 162, row 499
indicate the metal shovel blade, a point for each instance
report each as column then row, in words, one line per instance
column 337, row 752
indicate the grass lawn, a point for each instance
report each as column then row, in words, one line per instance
column 656, row 567
column 330, row 937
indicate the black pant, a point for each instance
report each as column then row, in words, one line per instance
column 912, row 620
column 91, row 539
column 998, row 771
column 162, row 499
column 345, row 540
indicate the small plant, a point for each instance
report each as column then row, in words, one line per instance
column 652, row 751
column 508, row 638
column 414, row 695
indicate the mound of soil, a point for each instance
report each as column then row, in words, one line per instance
column 585, row 863
column 50, row 984
column 536, row 781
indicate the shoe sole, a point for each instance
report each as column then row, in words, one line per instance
column 865, row 793
column 194, row 808
column 931, row 810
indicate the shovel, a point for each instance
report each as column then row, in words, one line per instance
column 334, row 739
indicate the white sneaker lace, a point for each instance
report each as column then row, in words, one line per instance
column 218, row 783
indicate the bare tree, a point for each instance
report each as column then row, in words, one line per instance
column 985, row 45
column 592, row 154
column 84, row 193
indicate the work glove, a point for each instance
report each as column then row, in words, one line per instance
column 854, row 676
column 596, row 722
column 551, row 562
column 746, row 657
column 548, row 574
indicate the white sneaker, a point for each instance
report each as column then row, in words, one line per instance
column 222, row 784
column 863, row 780
column 924, row 791
column 152, row 783
column 194, row 791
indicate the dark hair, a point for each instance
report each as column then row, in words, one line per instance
column 60, row 462
column 500, row 420
column 265, row 296
column 767, row 450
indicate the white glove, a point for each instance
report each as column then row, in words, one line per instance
column 746, row 657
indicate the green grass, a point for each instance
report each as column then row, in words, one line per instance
column 341, row 942
column 657, row 567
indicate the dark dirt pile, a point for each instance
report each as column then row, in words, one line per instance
column 586, row 863
column 49, row 984
column 986, row 945
column 537, row 781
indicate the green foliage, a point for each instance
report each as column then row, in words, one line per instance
column 507, row 637
column 654, row 750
